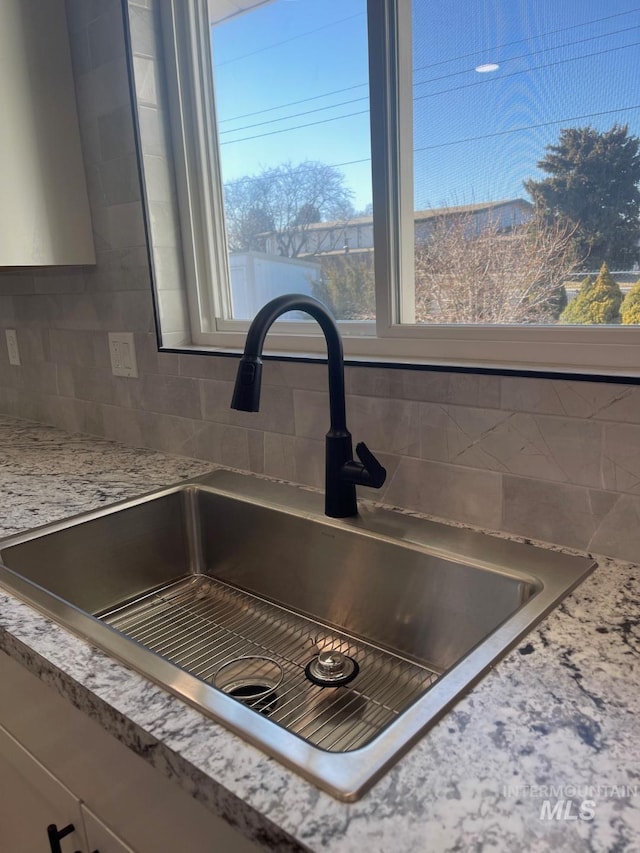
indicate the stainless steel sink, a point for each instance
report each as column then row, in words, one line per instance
column 235, row 593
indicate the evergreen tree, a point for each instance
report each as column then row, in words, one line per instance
column 575, row 312
column 597, row 302
column 630, row 308
column 593, row 184
column 558, row 302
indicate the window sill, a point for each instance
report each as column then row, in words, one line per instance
column 588, row 370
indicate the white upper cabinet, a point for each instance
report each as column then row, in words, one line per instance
column 44, row 209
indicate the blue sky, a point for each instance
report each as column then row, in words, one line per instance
column 477, row 136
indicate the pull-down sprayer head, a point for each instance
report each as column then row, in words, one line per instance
column 246, row 394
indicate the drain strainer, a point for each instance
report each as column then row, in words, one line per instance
column 253, row 680
column 331, row 669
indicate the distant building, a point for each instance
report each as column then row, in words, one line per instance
column 506, row 215
column 356, row 235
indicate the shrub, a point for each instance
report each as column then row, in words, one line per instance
column 575, row 311
column 347, row 288
column 597, row 302
column 467, row 273
column 630, row 308
column 552, row 301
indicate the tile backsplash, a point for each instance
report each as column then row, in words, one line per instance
column 553, row 460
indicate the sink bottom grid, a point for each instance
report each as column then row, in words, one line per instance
column 202, row 625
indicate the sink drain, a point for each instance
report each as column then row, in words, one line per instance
column 331, row 669
column 252, row 680
column 255, row 697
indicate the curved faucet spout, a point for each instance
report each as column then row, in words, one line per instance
column 342, row 472
column 250, row 370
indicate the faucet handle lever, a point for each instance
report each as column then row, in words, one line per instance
column 374, row 471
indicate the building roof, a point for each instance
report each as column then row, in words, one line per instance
column 422, row 215
column 472, row 208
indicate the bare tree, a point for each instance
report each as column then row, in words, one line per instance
column 470, row 275
column 288, row 199
column 247, row 221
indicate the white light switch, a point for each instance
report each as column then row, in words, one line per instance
column 123, row 354
column 12, row 346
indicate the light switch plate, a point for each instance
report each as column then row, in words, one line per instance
column 12, row 346
column 123, row 354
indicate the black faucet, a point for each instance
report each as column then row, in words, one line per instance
column 342, row 472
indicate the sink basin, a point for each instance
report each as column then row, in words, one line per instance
column 234, row 592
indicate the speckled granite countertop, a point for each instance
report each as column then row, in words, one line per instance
column 557, row 713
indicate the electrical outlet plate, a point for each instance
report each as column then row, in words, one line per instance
column 123, row 354
column 12, row 346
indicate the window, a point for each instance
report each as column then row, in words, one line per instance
column 448, row 179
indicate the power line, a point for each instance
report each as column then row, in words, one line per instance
column 295, row 115
column 286, row 41
column 530, row 38
column 433, row 65
column 525, row 71
column 294, row 103
column 533, row 53
column 524, row 127
column 431, row 94
column 297, row 127
column 249, row 179
column 420, row 97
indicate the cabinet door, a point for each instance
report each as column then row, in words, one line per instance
column 100, row 837
column 136, row 802
column 44, row 209
column 30, row 800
